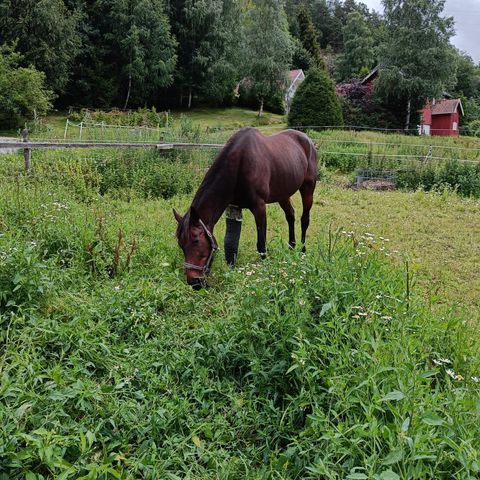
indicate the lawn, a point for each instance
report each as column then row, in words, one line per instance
column 204, row 119
column 229, row 118
column 336, row 365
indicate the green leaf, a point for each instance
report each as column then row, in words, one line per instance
column 293, row 367
column 16, row 280
column 394, row 395
column 393, row 457
column 429, row 373
column 20, row 412
column 114, row 472
column 83, row 442
column 325, row 308
column 424, row 457
column 405, row 424
column 389, row 475
column 433, row 419
column 197, row 441
column 357, row 476
column 91, row 438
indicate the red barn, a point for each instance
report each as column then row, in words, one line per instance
column 442, row 117
column 439, row 117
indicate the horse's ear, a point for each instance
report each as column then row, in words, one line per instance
column 177, row 216
column 194, row 216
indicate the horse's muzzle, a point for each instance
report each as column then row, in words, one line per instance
column 198, row 283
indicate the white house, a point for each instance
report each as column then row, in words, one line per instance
column 295, row 78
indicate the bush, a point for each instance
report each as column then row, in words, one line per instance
column 316, row 102
column 142, row 117
column 24, row 278
column 362, row 108
column 463, row 178
column 22, row 90
column 473, row 128
column 149, row 175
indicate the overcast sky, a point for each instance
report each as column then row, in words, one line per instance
column 467, row 20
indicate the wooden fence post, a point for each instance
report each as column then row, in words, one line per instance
column 27, row 153
column 81, row 129
column 65, row 132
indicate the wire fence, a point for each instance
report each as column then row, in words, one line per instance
column 353, row 146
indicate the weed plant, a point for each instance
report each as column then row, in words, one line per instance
column 324, row 366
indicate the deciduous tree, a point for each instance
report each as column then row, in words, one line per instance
column 269, row 48
column 22, row 90
column 416, row 60
column 46, row 35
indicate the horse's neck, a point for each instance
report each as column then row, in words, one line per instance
column 213, row 197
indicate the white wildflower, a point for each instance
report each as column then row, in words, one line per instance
column 450, row 373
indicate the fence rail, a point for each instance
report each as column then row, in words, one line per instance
column 159, row 146
column 27, row 146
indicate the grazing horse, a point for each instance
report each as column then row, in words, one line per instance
column 250, row 171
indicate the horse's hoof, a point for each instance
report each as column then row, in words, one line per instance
column 263, row 256
column 292, row 245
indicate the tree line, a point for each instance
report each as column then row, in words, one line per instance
column 182, row 53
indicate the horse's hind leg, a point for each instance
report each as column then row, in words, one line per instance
column 306, row 190
column 260, row 213
column 290, row 216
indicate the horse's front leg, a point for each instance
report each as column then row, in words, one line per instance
column 260, row 213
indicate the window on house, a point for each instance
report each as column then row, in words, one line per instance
column 455, row 126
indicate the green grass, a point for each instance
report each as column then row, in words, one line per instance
column 336, row 365
column 229, row 118
column 209, row 124
column 351, row 149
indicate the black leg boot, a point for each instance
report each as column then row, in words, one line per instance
column 232, row 239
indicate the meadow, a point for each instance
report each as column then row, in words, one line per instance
column 356, row 361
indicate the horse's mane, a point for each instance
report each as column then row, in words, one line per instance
column 219, row 163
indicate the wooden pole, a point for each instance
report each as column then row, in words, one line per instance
column 27, row 154
column 66, row 128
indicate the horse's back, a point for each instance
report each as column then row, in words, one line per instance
column 275, row 167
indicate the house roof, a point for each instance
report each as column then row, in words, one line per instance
column 293, row 74
column 447, row 106
column 371, row 76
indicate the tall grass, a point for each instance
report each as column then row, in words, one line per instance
column 419, row 162
column 319, row 366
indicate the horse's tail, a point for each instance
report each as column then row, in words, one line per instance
column 312, row 159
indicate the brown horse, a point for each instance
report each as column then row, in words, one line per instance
column 250, row 171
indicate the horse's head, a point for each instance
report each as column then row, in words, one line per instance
column 198, row 245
